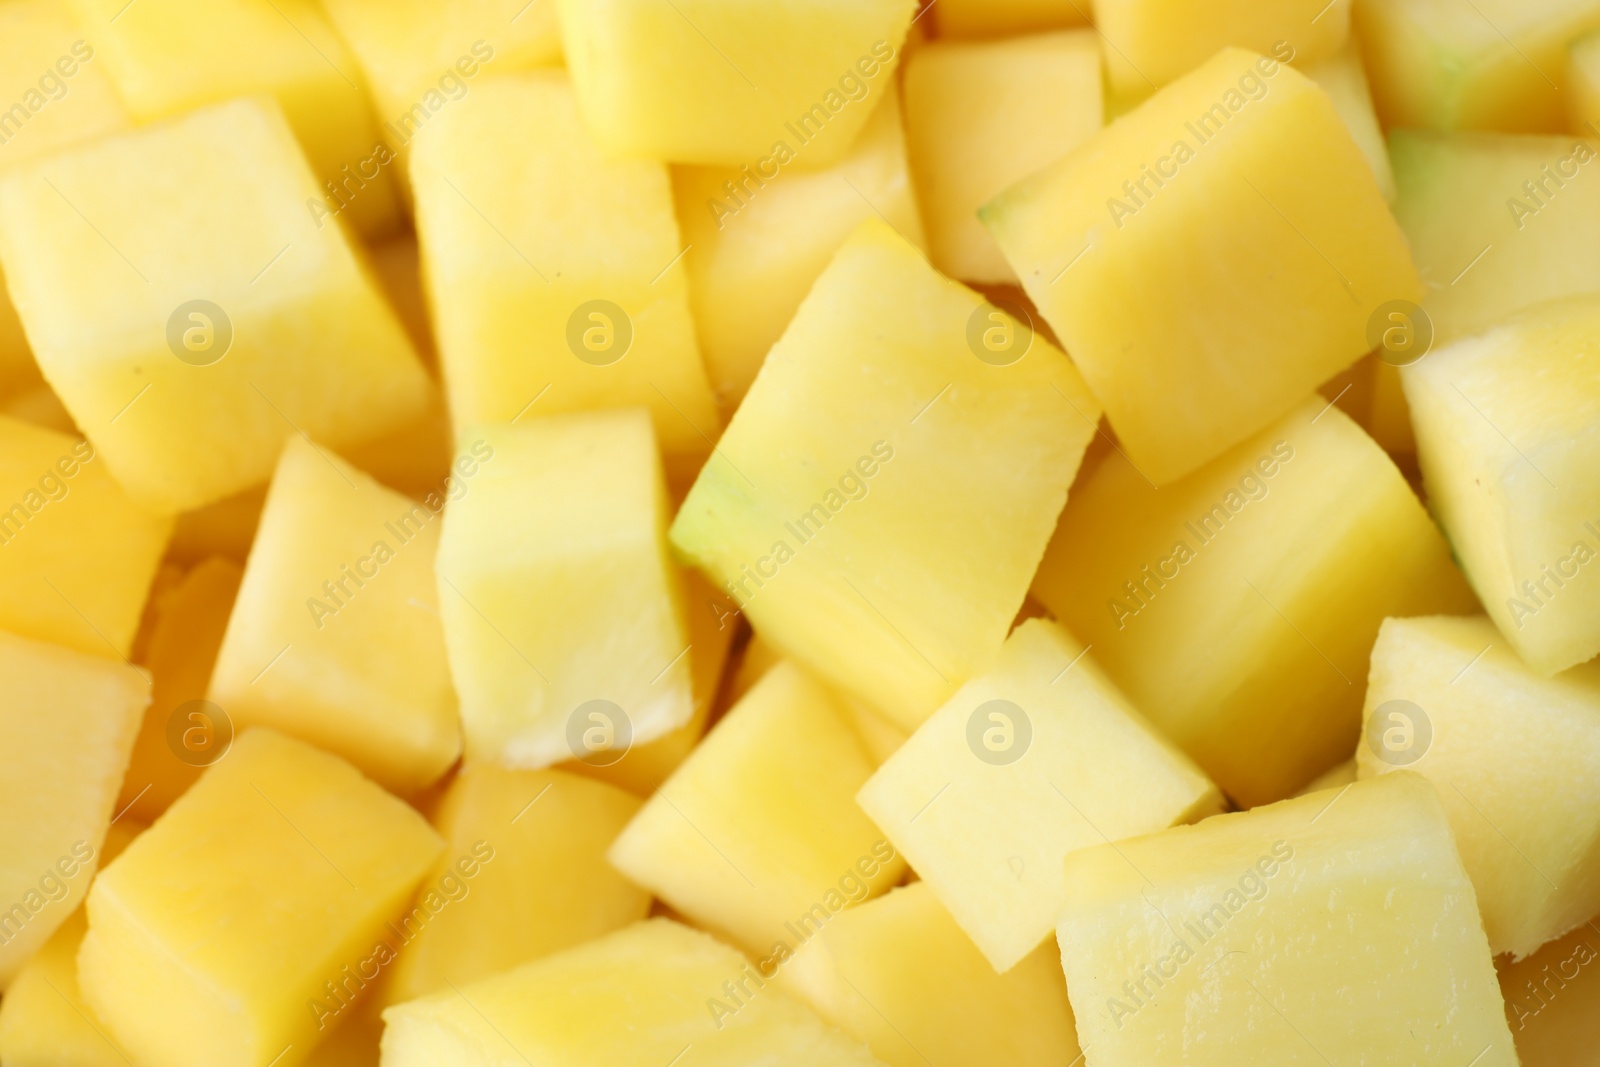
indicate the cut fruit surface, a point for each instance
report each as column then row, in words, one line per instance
column 1210, row 258
column 880, row 498
column 1515, row 758
column 1329, row 929
column 1344, row 79
column 1036, row 757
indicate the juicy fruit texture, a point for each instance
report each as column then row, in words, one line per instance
column 523, row 874
column 566, row 1011
column 1583, row 86
column 981, row 116
column 1209, row 259
column 1344, row 79
column 1503, row 420
column 1470, row 64
column 1516, row 760
column 1236, row 608
column 522, row 246
column 167, row 57
column 1497, row 222
column 563, row 614
column 757, row 834
column 1335, row 928
column 1037, row 757
column 898, row 974
column 997, row 18
column 1149, row 43
column 880, row 498
column 68, row 721
column 76, row 553
column 1552, row 998
column 719, row 82
column 313, row 346
column 756, row 248
column 185, row 636
column 260, row 893
column 335, row 636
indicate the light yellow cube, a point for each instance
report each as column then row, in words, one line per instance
column 193, row 320
column 239, row 926
column 555, row 275
column 1033, row 759
column 757, row 834
column 335, row 636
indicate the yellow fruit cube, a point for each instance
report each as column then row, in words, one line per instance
column 192, row 327
column 757, row 834
column 1583, row 86
column 168, row 57
column 555, row 275
column 898, row 974
column 853, row 508
column 1037, row 757
column 1508, row 435
column 69, row 721
column 982, row 116
column 563, row 614
column 706, row 81
column 234, row 930
column 528, row 850
column 1471, row 64
column 77, row 554
column 335, row 636
column 1210, row 258
column 1237, row 607
column 184, row 639
column 1334, row 928
column 758, row 237
column 1553, row 1001
column 1344, row 79
column 1516, row 760
column 569, row 1011
column 998, row 18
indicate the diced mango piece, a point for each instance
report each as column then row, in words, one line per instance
column 1553, row 1001
column 1344, row 79
column 1508, row 433
column 77, row 554
column 68, row 721
column 335, row 637
column 1583, row 86
column 168, row 57
column 563, row 614
column 1334, row 928
column 1236, row 608
column 1471, row 64
column 716, row 82
column 1516, row 760
column 1497, row 222
column 184, row 640
column 1149, row 43
column 758, row 237
column 528, row 849
column 1037, row 757
column 879, row 500
column 757, row 834
column 898, row 974
column 982, row 116
column 567, row 1011
column 226, row 935
column 1208, row 259
column 191, row 326
column 555, row 275
column 999, row 18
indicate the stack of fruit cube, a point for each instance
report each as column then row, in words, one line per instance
column 690, row 533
